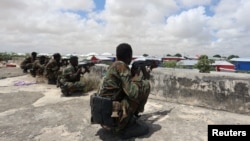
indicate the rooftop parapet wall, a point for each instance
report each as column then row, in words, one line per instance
column 216, row 90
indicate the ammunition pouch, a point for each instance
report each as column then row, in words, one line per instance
column 101, row 111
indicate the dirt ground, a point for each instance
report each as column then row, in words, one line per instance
column 32, row 111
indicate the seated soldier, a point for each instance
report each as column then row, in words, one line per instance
column 70, row 78
column 128, row 92
column 27, row 63
column 53, row 68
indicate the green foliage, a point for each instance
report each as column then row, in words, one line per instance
column 5, row 56
column 180, row 65
column 145, row 55
column 169, row 64
column 232, row 56
column 178, row 55
column 168, row 55
column 204, row 64
column 217, row 56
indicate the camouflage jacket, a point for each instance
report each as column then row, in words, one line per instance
column 38, row 67
column 52, row 66
column 69, row 74
column 118, row 83
column 27, row 61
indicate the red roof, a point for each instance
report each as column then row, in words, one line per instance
column 172, row 58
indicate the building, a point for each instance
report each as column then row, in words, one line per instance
column 219, row 65
column 241, row 64
column 188, row 64
column 172, row 58
column 223, row 66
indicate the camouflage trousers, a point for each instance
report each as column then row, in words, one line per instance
column 38, row 72
column 133, row 107
column 53, row 75
column 72, row 86
column 27, row 66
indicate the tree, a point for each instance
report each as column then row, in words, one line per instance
column 217, row 56
column 204, row 64
column 169, row 64
column 4, row 56
column 232, row 56
column 145, row 55
column 178, row 55
column 168, row 55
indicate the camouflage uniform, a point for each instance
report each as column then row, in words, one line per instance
column 70, row 82
column 38, row 67
column 53, row 70
column 132, row 93
column 27, row 64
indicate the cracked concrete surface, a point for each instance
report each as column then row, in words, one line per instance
column 37, row 112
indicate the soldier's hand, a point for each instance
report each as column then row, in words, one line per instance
column 137, row 76
column 146, row 73
column 86, row 70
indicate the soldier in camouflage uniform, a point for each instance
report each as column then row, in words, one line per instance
column 131, row 92
column 39, row 66
column 70, row 78
column 27, row 63
column 53, row 69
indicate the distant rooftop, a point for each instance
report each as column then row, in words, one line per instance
column 240, row 59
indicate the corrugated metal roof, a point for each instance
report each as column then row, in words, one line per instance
column 193, row 62
column 222, row 63
column 147, row 58
column 240, row 59
column 187, row 62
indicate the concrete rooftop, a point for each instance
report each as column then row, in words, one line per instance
column 37, row 112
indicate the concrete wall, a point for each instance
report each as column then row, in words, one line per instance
column 216, row 90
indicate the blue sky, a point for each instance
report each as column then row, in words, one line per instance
column 99, row 5
column 155, row 27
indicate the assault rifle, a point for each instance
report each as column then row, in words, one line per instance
column 86, row 65
column 145, row 66
column 64, row 61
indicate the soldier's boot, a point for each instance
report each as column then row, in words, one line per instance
column 33, row 72
column 25, row 71
column 51, row 82
column 65, row 92
column 135, row 128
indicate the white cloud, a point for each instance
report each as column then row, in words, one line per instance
column 232, row 27
column 189, row 24
column 155, row 27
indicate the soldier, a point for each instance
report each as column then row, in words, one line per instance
column 53, row 69
column 70, row 78
column 39, row 67
column 27, row 63
column 130, row 94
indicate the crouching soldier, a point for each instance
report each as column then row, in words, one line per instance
column 53, row 69
column 39, row 68
column 27, row 63
column 70, row 78
column 121, row 98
